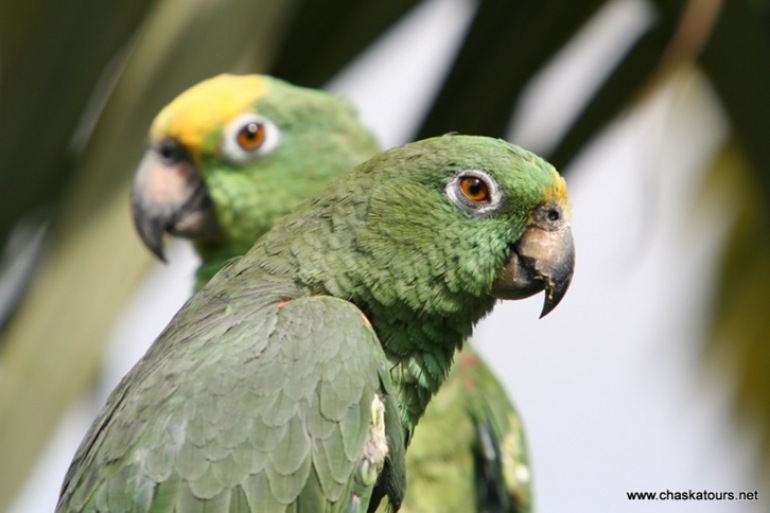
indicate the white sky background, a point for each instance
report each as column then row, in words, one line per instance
column 608, row 385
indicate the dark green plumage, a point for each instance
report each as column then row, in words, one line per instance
column 234, row 405
column 269, row 391
column 469, row 451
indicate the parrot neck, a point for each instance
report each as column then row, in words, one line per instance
column 419, row 338
column 421, row 348
column 421, row 308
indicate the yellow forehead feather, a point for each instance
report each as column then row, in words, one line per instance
column 558, row 192
column 192, row 115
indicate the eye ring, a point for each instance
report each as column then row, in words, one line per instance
column 474, row 191
column 249, row 136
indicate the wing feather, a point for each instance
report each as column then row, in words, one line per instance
column 243, row 404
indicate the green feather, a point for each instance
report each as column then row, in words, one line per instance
column 469, row 451
column 178, row 452
column 321, row 137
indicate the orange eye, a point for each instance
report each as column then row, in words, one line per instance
column 248, row 137
column 474, row 188
column 251, row 136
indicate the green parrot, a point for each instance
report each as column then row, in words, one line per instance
column 294, row 378
column 469, row 453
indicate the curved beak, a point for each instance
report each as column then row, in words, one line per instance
column 169, row 196
column 542, row 259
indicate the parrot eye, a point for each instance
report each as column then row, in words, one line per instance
column 474, row 188
column 474, row 191
column 250, row 136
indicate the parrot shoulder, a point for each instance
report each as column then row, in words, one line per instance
column 242, row 402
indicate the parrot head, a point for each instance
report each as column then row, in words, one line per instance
column 503, row 210
column 443, row 225
column 232, row 153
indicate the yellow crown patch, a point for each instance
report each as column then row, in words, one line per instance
column 211, row 103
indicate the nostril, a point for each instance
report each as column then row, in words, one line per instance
column 170, row 150
column 554, row 214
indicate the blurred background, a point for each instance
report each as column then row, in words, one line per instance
column 652, row 375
